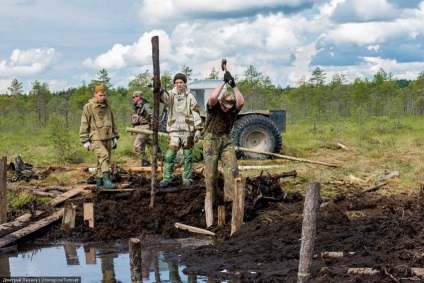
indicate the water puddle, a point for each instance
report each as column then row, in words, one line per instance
column 99, row 262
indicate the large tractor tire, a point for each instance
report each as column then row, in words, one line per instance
column 256, row 132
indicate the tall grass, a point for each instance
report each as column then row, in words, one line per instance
column 375, row 146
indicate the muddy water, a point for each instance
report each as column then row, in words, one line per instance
column 94, row 262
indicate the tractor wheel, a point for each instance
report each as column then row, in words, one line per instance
column 256, row 132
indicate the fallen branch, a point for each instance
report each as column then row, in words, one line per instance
column 284, row 156
column 373, row 188
column 194, row 229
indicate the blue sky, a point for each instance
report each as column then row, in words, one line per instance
column 63, row 43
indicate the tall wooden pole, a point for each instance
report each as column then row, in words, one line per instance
column 156, row 95
column 310, row 211
column 3, row 190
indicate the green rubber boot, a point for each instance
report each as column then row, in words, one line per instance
column 107, row 183
column 99, row 183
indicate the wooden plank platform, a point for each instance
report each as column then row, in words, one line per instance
column 12, row 237
column 25, row 219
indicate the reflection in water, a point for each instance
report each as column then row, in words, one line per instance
column 112, row 266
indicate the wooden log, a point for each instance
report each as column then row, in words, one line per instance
column 156, row 100
column 13, row 237
column 238, row 205
column 45, row 194
column 373, row 188
column 194, row 229
column 342, row 146
column 10, row 249
column 285, row 156
column 88, row 211
column 68, row 219
column 221, row 215
column 310, row 211
column 209, row 208
column 3, row 190
column 134, row 246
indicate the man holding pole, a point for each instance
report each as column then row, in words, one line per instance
column 183, row 125
column 217, row 144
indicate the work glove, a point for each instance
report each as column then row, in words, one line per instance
column 115, row 143
column 228, row 78
column 197, row 136
column 87, row 145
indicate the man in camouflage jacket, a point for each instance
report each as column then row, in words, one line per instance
column 99, row 133
column 217, row 143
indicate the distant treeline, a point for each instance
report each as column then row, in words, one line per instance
column 312, row 99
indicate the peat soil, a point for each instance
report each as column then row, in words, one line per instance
column 384, row 233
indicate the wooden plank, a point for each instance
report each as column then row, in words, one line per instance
column 68, row 219
column 3, row 190
column 88, row 211
column 11, row 238
column 194, row 229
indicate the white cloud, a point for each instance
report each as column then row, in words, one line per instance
column 28, row 62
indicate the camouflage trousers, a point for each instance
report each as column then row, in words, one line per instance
column 141, row 140
column 217, row 148
column 102, row 150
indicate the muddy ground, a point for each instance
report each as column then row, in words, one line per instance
column 373, row 230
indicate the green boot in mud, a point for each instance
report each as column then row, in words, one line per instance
column 107, row 183
column 99, row 183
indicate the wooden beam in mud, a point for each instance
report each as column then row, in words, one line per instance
column 25, row 219
column 13, row 237
column 238, row 205
column 194, row 229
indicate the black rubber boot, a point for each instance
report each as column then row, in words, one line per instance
column 107, row 183
column 99, row 183
column 145, row 162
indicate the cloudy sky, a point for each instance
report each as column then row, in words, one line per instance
column 63, row 43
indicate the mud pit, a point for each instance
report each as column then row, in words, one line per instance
column 383, row 233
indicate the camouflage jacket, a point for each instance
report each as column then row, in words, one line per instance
column 97, row 122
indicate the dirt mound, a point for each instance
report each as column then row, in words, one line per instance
column 382, row 233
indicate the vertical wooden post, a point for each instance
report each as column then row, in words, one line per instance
column 88, row 210
column 135, row 260
column 238, row 205
column 209, row 209
column 3, row 190
column 68, row 219
column 221, row 215
column 155, row 127
column 310, row 211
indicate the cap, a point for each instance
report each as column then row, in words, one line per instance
column 228, row 99
column 180, row 76
column 138, row 93
column 99, row 88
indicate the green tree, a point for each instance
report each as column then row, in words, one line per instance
column 251, row 74
column 187, row 72
column 102, row 79
column 15, row 87
column 166, row 80
column 214, row 74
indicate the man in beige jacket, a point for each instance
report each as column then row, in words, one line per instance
column 99, row 133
